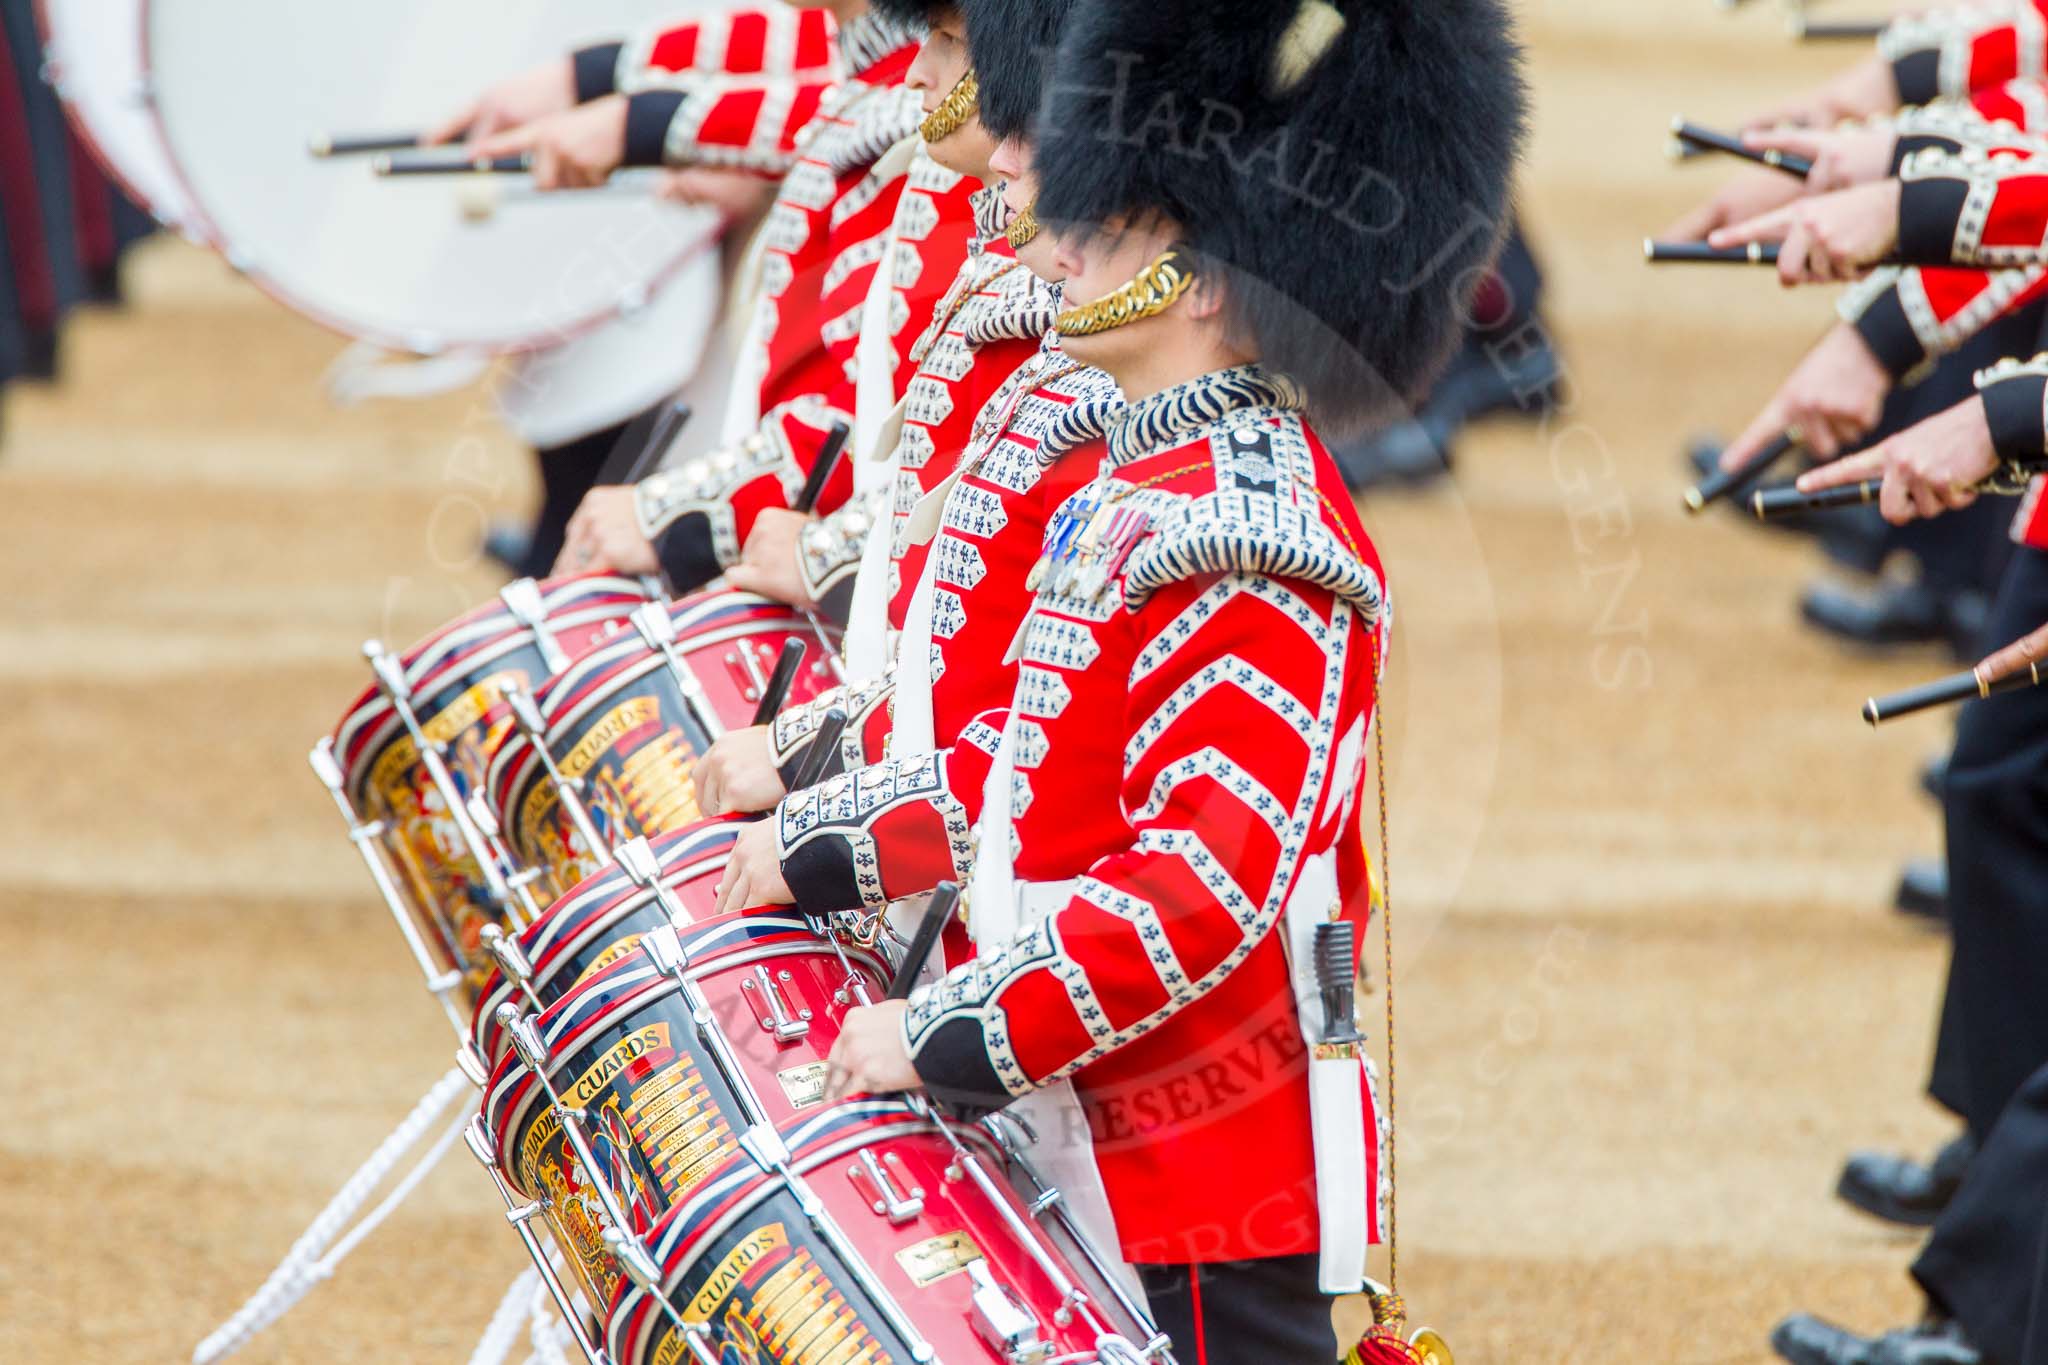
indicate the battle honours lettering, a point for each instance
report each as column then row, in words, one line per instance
column 632, row 1047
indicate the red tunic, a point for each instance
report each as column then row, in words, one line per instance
column 1189, row 730
column 1951, row 53
column 824, row 238
column 896, row 824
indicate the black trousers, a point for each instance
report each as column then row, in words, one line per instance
column 1986, row 1263
column 1996, row 1013
column 1264, row 1312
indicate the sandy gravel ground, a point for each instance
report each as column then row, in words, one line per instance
column 1651, row 992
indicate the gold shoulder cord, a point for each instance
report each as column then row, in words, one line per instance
column 1024, row 227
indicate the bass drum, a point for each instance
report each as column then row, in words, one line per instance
column 92, row 56
column 422, row 264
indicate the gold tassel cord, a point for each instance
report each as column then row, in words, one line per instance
column 1157, row 288
column 961, row 104
column 1024, row 228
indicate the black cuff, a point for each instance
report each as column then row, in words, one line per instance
column 687, row 553
column 1928, row 213
column 953, row 1064
column 2012, row 408
column 1908, row 144
column 1918, row 76
column 648, row 116
column 597, row 71
column 1890, row 337
column 820, row 876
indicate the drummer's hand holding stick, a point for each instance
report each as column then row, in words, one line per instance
column 737, row 775
column 1927, row 469
column 870, row 1057
column 576, row 149
column 549, row 88
column 753, row 871
column 771, row 562
column 1829, row 240
column 605, row 536
column 1841, row 159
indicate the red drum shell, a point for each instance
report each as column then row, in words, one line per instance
column 624, row 1048
column 454, row 673
column 598, row 923
column 618, row 723
column 742, row 1256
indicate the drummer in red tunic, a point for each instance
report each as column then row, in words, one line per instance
column 1262, row 234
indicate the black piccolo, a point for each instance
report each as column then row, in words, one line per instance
column 1807, row 31
column 780, row 681
column 1699, row 253
column 1948, row 691
column 919, row 951
column 356, row 144
column 1692, row 135
column 1770, row 504
column 829, row 456
column 1722, row 482
column 455, row 162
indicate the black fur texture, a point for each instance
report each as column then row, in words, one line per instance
column 1350, row 214
column 1012, row 43
column 911, row 14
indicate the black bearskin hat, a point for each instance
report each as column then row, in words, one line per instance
column 913, row 15
column 1343, row 166
column 1012, row 42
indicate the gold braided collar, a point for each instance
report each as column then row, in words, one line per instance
column 962, row 103
column 1024, row 229
column 1157, row 288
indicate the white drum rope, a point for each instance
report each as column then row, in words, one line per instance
column 303, row 1267
column 551, row 1337
column 509, row 1322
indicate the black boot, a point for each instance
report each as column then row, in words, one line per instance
column 1897, row 614
column 1923, row 890
column 1900, row 1190
column 1806, row 1340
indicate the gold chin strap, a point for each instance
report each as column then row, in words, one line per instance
column 1157, row 288
column 1024, row 227
column 962, row 103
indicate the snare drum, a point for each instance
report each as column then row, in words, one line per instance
column 454, row 676
column 620, row 724
column 884, row 1239
column 599, row 923
column 92, row 55
column 669, row 1072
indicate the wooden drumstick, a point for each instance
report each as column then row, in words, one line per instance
column 829, row 456
column 824, row 744
column 456, row 162
column 1725, row 481
column 943, row 901
column 1769, row 504
column 780, row 681
column 355, row 144
column 1706, row 139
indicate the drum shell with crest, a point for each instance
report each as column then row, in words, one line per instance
column 619, row 724
column 600, row 921
column 745, row 1257
column 454, row 675
column 670, row 1072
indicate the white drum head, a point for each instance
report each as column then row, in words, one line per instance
column 92, row 50
column 416, row 263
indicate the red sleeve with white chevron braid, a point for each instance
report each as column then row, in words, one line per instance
column 1952, row 53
